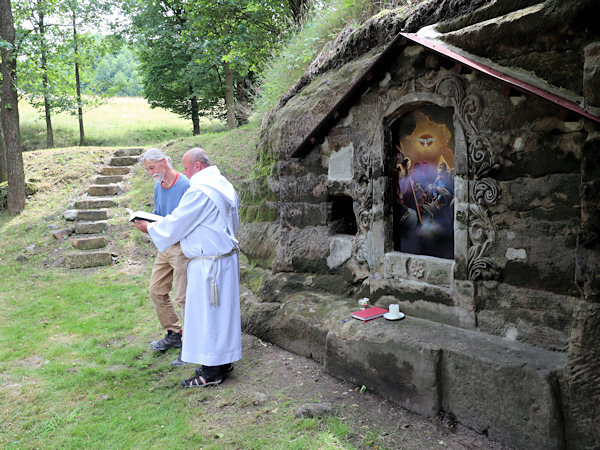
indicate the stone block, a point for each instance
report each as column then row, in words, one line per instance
column 62, row 233
column 299, row 326
column 111, row 170
column 504, row 389
column 102, row 190
column 94, row 202
column 340, row 250
column 133, row 151
column 257, row 317
column 89, row 243
column 259, row 241
column 426, row 269
column 108, row 179
column 91, row 227
column 91, row 215
column 84, row 259
column 387, row 359
column 124, row 161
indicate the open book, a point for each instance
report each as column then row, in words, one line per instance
column 142, row 215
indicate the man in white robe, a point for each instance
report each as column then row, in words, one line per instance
column 205, row 223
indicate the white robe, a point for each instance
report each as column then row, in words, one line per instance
column 205, row 222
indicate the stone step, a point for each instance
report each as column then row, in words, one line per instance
column 91, row 215
column 103, row 190
column 94, row 202
column 89, row 242
column 87, row 258
column 122, row 161
column 504, row 388
column 112, row 170
column 133, row 151
column 108, row 179
column 91, row 227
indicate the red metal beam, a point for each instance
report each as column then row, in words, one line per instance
column 318, row 133
column 514, row 82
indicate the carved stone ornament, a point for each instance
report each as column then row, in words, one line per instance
column 481, row 236
column 485, row 191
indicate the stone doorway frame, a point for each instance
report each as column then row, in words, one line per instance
column 475, row 192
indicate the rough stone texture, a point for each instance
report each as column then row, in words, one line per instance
column 314, row 410
column 508, row 389
column 258, row 241
column 591, row 74
column 94, row 202
column 84, row 259
column 527, row 252
column 102, row 190
column 108, row 179
column 340, row 250
column 89, row 243
column 122, row 161
column 110, row 170
column 92, row 214
column 62, row 233
column 69, row 214
column 91, row 227
column 133, row 151
column 582, row 380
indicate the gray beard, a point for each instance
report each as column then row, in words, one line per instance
column 158, row 178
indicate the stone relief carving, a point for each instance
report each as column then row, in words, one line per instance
column 485, row 191
column 482, row 237
column 363, row 194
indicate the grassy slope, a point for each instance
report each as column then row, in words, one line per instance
column 75, row 367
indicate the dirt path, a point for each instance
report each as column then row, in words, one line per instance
column 269, row 371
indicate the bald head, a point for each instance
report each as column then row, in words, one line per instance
column 194, row 161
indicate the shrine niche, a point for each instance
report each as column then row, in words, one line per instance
column 423, row 188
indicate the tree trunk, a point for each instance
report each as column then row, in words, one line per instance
column 3, row 176
column 242, row 111
column 9, row 111
column 78, row 84
column 195, row 113
column 49, row 134
column 229, row 99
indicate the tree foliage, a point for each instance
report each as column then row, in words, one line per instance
column 208, row 50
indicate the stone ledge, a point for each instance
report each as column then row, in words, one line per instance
column 507, row 389
column 124, row 161
column 111, row 170
column 103, row 190
column 92, row 214
column 84, row 259
column 94, row 202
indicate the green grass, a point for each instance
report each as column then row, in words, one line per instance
column 286, row 67
column 76, row 370
column 123, row 121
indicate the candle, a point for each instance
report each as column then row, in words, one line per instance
column 394, row 310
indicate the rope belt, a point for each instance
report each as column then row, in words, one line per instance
column 214, row 290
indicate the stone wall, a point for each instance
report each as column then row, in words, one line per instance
column 526, row 252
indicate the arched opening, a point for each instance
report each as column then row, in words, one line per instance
column 342, row 219
column 423, row 168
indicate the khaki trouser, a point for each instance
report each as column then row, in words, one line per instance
column 170, row 269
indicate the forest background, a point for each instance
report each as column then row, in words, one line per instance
column 214, row 63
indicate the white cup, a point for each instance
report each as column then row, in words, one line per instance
column 394, row 311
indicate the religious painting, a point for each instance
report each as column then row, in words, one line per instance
column 423, row 174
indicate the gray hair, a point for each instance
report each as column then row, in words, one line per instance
column 196, row 154
column 156, row 154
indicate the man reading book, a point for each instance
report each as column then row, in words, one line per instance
column 170, row 266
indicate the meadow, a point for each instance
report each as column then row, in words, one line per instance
column 76, row 370
column 124, row 121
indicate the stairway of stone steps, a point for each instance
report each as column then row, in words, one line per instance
column 92, row 212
